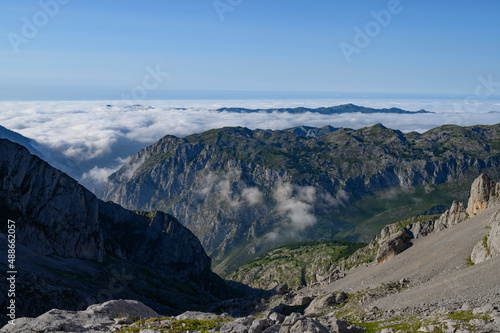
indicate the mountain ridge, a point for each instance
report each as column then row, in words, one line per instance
column 237, row 189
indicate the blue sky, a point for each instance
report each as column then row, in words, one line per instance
column 104, row 49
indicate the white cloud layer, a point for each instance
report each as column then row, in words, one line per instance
column 99, row 138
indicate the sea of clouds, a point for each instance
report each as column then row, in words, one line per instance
column 96, row 137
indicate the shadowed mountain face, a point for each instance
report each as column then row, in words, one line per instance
column 73, row 248
column 242, row 191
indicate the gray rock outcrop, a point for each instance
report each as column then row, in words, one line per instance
column 456, row 214
column 98, row 317
column 489, row 247
column 233, row 327
column 493, row 240
column 297, row 323
column 321, row 302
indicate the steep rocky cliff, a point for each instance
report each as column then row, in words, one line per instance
column 243, row 192
column 60, row 216
column 485, row 193
column 75, row 249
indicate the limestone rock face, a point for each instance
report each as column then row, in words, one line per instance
column 452, row 216
column 393, row 246
column 485, row 193
column 493, row 241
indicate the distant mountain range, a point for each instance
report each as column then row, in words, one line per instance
column 346, row 108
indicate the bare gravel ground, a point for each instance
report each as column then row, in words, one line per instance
column 437, row 268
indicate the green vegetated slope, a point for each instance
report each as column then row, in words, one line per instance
column 370, row 214
column 296, row 264
column 306, row 263
column 244, row 192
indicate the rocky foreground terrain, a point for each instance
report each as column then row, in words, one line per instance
column 429, row 276
column 243, row 192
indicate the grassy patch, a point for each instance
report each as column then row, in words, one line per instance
column 176, row 326
column 466, row 316
column 196, row 325
column 470, row 262
column 485, row 244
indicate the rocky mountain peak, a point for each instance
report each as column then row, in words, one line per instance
column 483, row 195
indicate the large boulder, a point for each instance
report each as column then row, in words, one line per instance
column 324, row 301
column 233, row 327
column 339, row 326
column 393, row 246
column 297, row 323
column 196, row 315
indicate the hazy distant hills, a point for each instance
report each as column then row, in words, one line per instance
column 346, row 108
column 245, row 191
